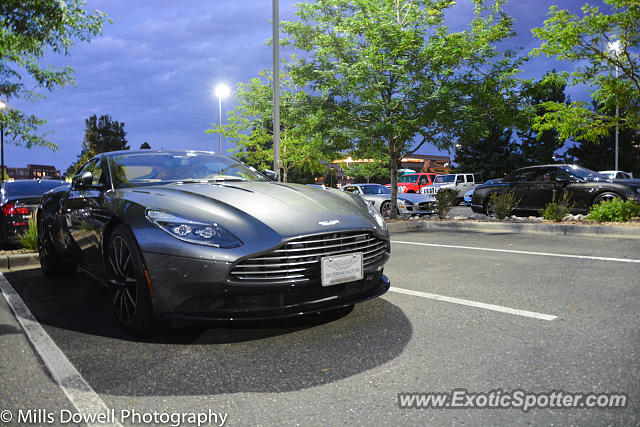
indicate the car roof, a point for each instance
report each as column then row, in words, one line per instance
column 119, row 152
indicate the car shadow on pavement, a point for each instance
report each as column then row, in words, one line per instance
column 275, row 356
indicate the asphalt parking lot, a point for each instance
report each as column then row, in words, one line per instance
column 468, row 311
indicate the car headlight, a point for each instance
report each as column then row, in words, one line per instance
column 376, row 215
column 192, row 231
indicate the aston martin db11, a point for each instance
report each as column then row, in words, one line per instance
column 198, row 236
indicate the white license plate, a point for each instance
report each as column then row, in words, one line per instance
column 341, row 269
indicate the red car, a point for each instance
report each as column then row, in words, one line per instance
column 413, row 182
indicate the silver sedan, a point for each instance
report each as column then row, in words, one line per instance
column 379, row 197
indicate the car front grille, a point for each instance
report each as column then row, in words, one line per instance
column 298, row 260
column 426, row 206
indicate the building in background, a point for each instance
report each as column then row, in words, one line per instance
column 416, row 162
column 34, row 172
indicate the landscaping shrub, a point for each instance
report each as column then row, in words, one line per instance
column 615, row 210
column 29, row 239
column 504, row 203
column 445, row 200
column 556, row 210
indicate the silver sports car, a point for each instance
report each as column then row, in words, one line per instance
column 379, row 197
column 195, row 235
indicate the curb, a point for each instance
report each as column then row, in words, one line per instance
column 19, row 261
column 501, row 227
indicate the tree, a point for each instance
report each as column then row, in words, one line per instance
column 250, row 126
column 606, row 47
column 28, row 31
column 101, row 135
column 539, row 147
column 367, row 170
column 385, row 67
column 491, row 109
column 145, row 146
column 601, row 156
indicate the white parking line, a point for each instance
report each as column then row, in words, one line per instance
column 81, row 395
column 477, row 304
column 597, row 258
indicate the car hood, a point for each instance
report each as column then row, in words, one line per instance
column 288, row 209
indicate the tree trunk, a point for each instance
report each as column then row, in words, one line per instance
column 393, row 166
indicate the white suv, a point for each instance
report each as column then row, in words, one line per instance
column 461, row 182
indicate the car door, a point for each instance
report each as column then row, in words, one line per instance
column 542, row 187
column 423, row 181
column 524, row 185
column 84, row 215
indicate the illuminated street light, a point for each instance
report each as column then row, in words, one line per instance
column 616, row 48
column 3, row 105
column 221, row 91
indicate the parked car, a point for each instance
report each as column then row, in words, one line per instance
column 414, row 182
column 535, row 186
column 19, row 199
column 461, row 182
column 617, row 174
column 469, row 194
column 380, row 198
column 195, row 235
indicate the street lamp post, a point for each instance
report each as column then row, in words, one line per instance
column 222, row 91
column 3, row 105
column 276, row 88
column 616, row 48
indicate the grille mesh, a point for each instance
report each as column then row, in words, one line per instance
column 298, row 260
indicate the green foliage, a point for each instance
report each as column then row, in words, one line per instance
column 28, row 31
column 29, row 239
column 614, row 210
column 586, row 41
column 602, row 156
column 366, row 171
column 556, row 210
column 250, row 126
column 445, row 200
column 388, row 69
column 101, row 136
column 145, row 146
column 498, row 106
column 504, row 203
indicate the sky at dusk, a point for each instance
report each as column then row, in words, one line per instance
column 155, row 67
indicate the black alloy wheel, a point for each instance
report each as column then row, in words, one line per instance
column 607, row 195
column 125, row 273
column 490, row 208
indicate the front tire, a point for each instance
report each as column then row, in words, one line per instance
column 490, row 208
column 126, row 275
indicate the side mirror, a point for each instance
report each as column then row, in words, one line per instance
column 84, row 180
column 270, row 174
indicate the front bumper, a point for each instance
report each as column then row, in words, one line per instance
column 197, row 289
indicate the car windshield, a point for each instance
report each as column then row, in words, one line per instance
column 29, row 188
column 374, row 189
column 135, row 169
column 583, row 173
column 441, row 179
column 408, row 178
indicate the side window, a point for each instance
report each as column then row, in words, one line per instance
column 545, row 175
column 469, row 178
column 424, row 180
column 525, row 176
column 459, row 179
column 350, row 189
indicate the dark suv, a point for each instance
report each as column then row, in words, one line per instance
column 19, row 199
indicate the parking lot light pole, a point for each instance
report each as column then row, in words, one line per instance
column 222, row 91
column 3, row 105
column 615, row 47
column 276, row 89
